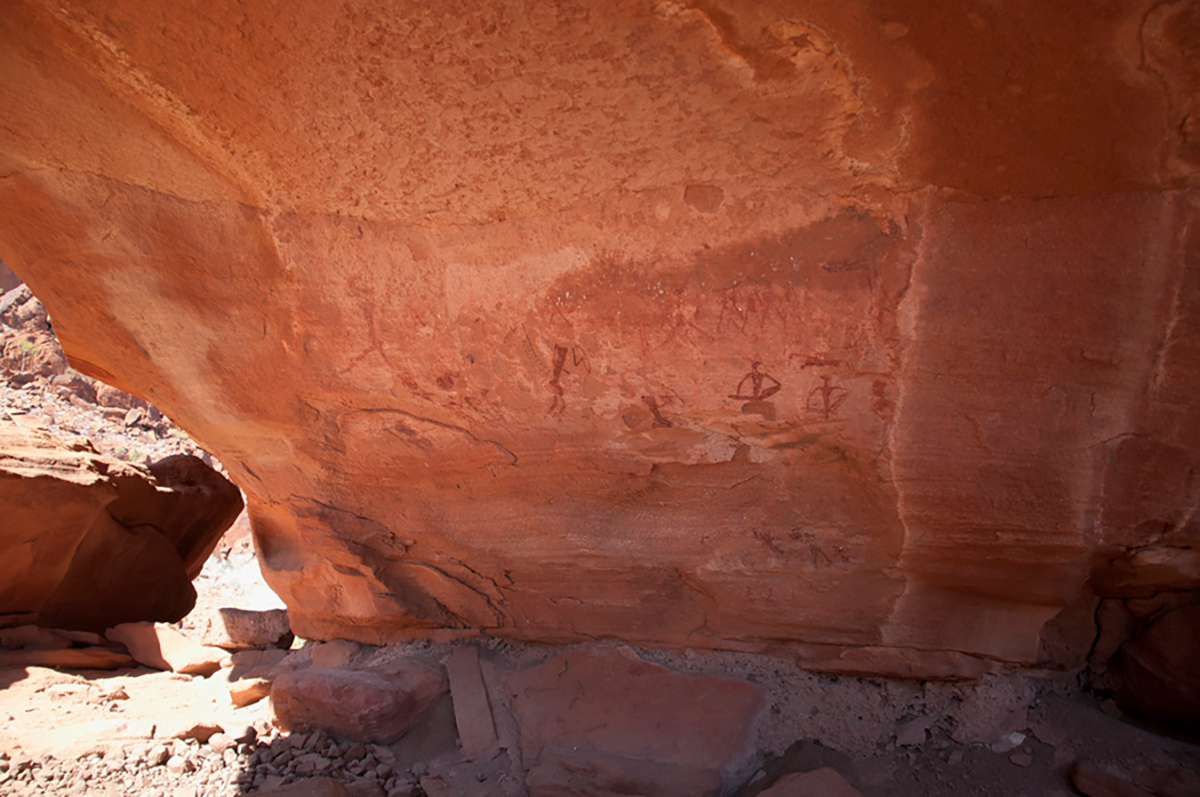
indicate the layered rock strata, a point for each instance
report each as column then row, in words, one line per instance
column 863, row 332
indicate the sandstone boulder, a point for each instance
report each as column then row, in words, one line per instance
column 361, row 705
column 246, row 629
column 91, row 541
column 1156, row 672
column 629, row 718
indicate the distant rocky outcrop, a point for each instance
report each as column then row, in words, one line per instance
column 89, row 541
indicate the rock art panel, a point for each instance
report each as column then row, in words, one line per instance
column 828, row 329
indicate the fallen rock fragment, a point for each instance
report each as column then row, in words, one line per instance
column 824, row 782
column 472, row 711
column 247, row 691
column 361, row 705
column 246, row 629
column 612, row 704
column 164, row 648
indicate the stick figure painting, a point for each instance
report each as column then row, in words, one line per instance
column 762, row 386
column 756, row 378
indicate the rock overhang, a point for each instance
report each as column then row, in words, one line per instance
column 795, row 326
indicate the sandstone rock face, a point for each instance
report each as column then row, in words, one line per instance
column 851, row 329
column 90, row 541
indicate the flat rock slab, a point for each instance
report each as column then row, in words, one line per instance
column 611, row 702
column 472, row 711
column 362, row 705
column 93, row 658
column 249, row 690
column 164, row 648
column 571, row 771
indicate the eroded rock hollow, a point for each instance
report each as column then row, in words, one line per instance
column 865, row 331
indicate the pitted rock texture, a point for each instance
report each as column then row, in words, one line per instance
column 845, row 329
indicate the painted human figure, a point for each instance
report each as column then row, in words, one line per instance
column 756, row 378
column 826, row 398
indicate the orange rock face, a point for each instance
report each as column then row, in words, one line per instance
column 851, row 329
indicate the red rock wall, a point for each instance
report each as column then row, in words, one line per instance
column 858, row 329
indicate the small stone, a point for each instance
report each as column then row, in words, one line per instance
column 355, row 752
column 247, row 691
column 1009, row 741
column 912, row 732
column 1021, row 759
column 220, row 742
column 246, row 734
column 177, row 765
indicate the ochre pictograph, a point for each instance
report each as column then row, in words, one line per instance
column 578, row 356
column 762, row 384
column 826, row 398
column 653, row 403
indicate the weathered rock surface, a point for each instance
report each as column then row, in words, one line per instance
column 850, row 327
column 363, row 705
column 90, row 541
column 617, row 717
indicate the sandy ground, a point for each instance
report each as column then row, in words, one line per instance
column 884, row 737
